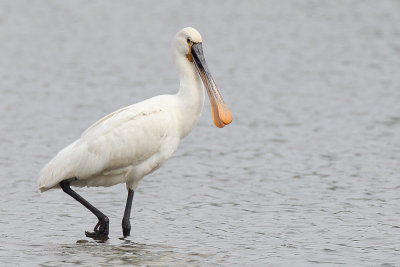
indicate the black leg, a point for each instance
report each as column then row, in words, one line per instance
column 102, row 227
column 126, row 224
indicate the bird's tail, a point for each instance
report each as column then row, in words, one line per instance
column 57, row 170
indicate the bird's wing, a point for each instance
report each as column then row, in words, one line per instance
column 125, row 137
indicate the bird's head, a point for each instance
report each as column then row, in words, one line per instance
column 188, row 44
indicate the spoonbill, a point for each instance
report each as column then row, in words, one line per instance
column 132, row 142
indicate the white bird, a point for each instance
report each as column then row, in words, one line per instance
column 132, row 142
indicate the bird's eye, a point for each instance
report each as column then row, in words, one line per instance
column 188, row 40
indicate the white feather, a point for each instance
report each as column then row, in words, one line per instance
column 114, row 149
column 131, row 142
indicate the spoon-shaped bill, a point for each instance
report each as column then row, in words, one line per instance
column 220, row 113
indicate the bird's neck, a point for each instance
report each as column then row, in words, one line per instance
column 190, row 96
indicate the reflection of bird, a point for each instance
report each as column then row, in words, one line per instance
column 132, row 142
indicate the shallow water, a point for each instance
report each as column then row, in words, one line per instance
column 308, row 172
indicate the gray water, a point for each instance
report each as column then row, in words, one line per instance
column 307, row 173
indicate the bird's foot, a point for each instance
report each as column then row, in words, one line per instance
column 97, row 235
column 126, row 228
column 100, row 231
column 126, row 232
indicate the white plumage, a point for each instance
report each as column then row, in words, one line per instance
column 130, row 143
column 121, row 147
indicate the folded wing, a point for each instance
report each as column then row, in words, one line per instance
column 126, row 137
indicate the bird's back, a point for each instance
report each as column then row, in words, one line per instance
column 128, row 137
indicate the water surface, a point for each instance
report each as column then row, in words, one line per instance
column 308, row 172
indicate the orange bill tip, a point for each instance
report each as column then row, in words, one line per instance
column 221, row 115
